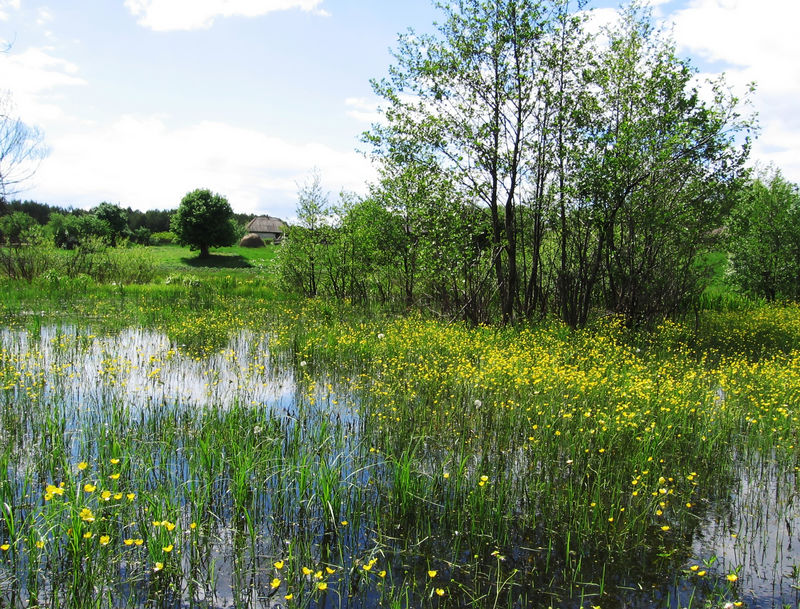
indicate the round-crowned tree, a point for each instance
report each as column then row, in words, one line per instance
column 203, row 220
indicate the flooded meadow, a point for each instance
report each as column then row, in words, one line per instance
column 322, row 461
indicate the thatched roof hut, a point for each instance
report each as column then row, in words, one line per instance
column 267, row 227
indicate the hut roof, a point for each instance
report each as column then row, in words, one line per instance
column 266, row 224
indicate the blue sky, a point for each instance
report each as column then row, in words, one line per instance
column 141, row 101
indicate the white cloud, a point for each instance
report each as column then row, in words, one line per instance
column 166, row 15
column 5, row 5
column 363, row 109
column 43, row 15
column 33, row 77
column 753, row 40
column 142, row 162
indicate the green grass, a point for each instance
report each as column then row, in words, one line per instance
column 230, row 260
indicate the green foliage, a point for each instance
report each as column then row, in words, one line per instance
column 14, row 225
column 70, row 230
column 163, row 238
column 203, row 220
column 764, row 238
column 114, row 220
column 602, row 172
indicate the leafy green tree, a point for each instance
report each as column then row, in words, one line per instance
column 764, row 237
column 114, row 219
column 470, row 94
column 70, row 230
column 14, row 225
column 204, row 220
column 664, row 166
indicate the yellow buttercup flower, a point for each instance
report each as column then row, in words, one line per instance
column 168, row 548
column 104, row 540
column 439, row 591
column 89, row 487
column 322, row 586
column 432, row 573
column 278, row 564
column 82, row 465
column 275, row 583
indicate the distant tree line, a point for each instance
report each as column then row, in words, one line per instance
column 111, row 222
column 529, row 168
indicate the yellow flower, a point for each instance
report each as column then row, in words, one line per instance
column 40, row 544
column 89, row 487
column 169, row 525
column 193, row 526
column 367, row 567
column 54, row 490
column 104, row 540
column 114, row 461
column 446, row 475
column 345, row 523
column 105, row 495
column 87, row 535
column 439, row 591
column 5, row 547
column 168, row 548
column 484, row 478
column 138, row 542
column 130, row 496
column 158, row 567
column 432, row 573
column 322, row 586
column 701, row 573
column 114, row 476
column 117, row 496
column 82, row 465
column 665, row 528
column 307, row 571
column 278, row 564
column 275, row 583
column 732, row 577
column 86, row 515
column 382, row 574
column 318, row 575
column 289, row 597
column 128, row 542
column 330, row 571
column 694, row 568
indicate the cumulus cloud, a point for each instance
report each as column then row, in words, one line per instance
column 34, row 75
column 753, row 41
column 143, row 162
column 166, row 15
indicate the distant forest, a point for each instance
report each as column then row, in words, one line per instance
column 155, row 220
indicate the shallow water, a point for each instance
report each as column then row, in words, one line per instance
column 752, row 529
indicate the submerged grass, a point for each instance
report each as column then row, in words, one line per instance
column 244, row 451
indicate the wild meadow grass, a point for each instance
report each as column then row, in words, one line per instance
column 187, row 445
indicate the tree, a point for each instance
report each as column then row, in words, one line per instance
column 114, row 219
column 764, row 237
column 21, row 149
column 203, row 220
column 660, row 174
column 14, row 225
column 602, row 170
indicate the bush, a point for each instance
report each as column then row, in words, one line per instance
column 163, row 238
